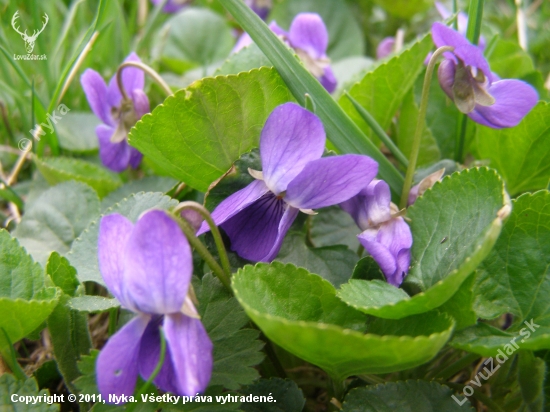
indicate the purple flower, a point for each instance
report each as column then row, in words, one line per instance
column 117, row 114
column 466, row 78
column 294, row 178
column 386, row 237
column 425, row 184
column 461, row 20
column 308, row 36
column 260, row 7
column 385, row 48
column 172, row 6
column 148, row 268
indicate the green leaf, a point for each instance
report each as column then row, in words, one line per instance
column 342, row 132
column 333, row 263
column 199, row 132
column 344, row 33
column 246, row 59
column 531, row 376
column 408, row 118
column 404, row 396
column 147, row 184
column 383, row 89
column 197, row 35
column 299, row 311
column 87, row 382
column 83, row 253
column 77, row 132
column 405, row 8
column 287, row 395
column 10, row 386
column 55, row 218
column 515, row 277
column 332, row 226
column 236, row 350
column 62, row 274
column 60, row 169
column 509, row 60
column 521, row 154
column 93, row 304
column 454, row 226
column 460, row 306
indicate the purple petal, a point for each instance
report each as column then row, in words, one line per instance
column 191, row 353
column 513, row 100
column 132, row 79
column 171, row 6
column 243, row 41
column 328, row 80
column 259, row 7
column 117, row 363
column 135, row 157
column 330, row 181
column 371, row 206
column 442, row 10
column 114, row 232
column 385, row 48
column 115, row 156
column 278, row 30
column 446, row 76
column 158, row 264
column 291, row 137
column 471, row 55
column 390, row 245
column 309, row 33
column 235, row 204
column 253, row 231
column 149, row 356
column 141, row 102
column 288, row 218
column 96, row 92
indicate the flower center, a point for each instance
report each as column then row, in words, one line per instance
column 470, row 88
column 126, row 117
column 314, row 66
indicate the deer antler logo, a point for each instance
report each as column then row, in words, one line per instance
column 29, row 40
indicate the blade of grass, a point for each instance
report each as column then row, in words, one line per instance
column 344, row 134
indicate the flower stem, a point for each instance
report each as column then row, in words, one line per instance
column 146, row 385
column 457, row 366
column 475, row 15
column 203, row 252
column 455, row 10
column 197, row 207
column 113, row 316
column 146, row 69
column 420, row 124
column 462, row 125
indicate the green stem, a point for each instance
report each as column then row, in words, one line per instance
column 146, row 69
column 457, row 366
column 377, row 129
column 462, row 125
column 372, row 379
column 147, row 384
column 475, row 15
column 113, row 315
column 420, row 124
column 337, row 388
column 197, row 207
column 203, row 252
column 494, row 407
column 145, row 34
column 455, row 11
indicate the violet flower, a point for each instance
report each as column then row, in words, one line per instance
column 294, row 178
column 148, row 268
column 172, row 6
column 466, row 78
column 461, row 22
column 117, row 114
column 385, row 47
column 260, row 7
column 308, row 36
column 386, row 237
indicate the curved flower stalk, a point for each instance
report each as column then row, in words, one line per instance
column 386, row 236
column 117, row 113
column 294, row 178
column 308, row 36
column 172, row 6
column 466, row 78
column 148, row 268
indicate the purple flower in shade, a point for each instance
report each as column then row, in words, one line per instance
column 260, row 7
column 385, row 47
column 308, row 36
column 466, row 78
column 423, row 185
column 117, row 114
column 461, row 20
column 148, row 268
column 386, row 237
column 172, row 6
column 294, row 178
